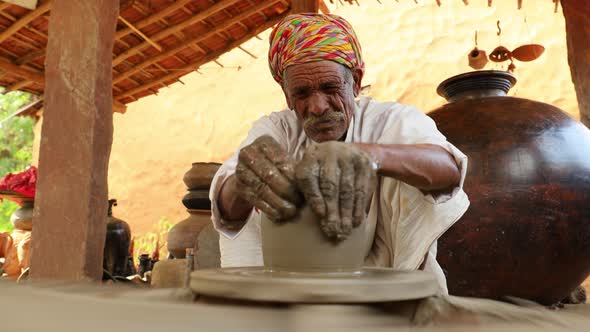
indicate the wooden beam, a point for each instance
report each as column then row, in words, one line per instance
column 153, row 18
column 30, row 57
column 18, row 86
column 23, row 21
column 141, row 34
column 22, row 72
column 305, row 6
column 324, row 8
column 209, row 57
column 4, row 5
column 173, row 29
column 577, row 25
column 119, row 107
column 71, row 195
column 193, row 40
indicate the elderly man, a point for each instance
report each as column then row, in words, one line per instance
column 353, row 161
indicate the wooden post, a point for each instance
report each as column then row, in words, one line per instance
column 577, row 25
column 305, row 6
column 71, row 198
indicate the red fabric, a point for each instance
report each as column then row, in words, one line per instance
column 23, row 183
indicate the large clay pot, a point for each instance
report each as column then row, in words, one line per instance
column 118, row 240
column 527, row 230
column 300, row 245
column 200, row 175
column 184, row 234
column 22, row 218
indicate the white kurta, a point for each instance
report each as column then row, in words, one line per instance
column 407, row 223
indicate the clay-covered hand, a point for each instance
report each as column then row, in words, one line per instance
column 337, row 180
column 265, row 176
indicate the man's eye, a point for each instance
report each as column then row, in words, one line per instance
column 331, row 88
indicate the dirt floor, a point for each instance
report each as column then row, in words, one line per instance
column 53, row 308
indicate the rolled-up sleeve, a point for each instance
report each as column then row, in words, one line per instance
column 410, row 126
column 268, row 125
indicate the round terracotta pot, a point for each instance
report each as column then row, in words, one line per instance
column 22, row 218
column 300, row 245
column 527, row 230
column 200, row 175
column 184, row 234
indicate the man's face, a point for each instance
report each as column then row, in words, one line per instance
column 322, row 94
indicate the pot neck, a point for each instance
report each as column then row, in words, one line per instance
column 476, row 84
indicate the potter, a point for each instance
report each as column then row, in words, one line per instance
column 358, row 164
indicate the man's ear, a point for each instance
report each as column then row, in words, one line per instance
column 357, row 75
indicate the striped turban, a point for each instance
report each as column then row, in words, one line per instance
column 303, row 38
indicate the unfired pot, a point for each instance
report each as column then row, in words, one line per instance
column 527, row 230
column 300, row 245
column 184, row 234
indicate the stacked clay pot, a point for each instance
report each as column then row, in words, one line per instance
column 184, row 234
column 527, row 231
column 18, row 254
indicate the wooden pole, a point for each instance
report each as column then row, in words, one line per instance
column 305, row 6
column 577, row 25
column 71, row 197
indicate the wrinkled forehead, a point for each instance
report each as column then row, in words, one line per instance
column 313, row 73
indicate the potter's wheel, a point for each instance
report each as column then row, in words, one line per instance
column 364, row 286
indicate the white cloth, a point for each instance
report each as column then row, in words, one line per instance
column 407, row 223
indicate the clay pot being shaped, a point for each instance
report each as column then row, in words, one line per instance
column 527, row 230
column 200, row 175
column 22, row 218
column 184, row 234
column 300, row 245
column 116, row 250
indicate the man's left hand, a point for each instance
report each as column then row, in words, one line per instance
column 337, row 180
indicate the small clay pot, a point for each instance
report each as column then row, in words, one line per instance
column 22, row 218
column 197, row 200
column 300, row 245
column 184, row 234
column 200, row 175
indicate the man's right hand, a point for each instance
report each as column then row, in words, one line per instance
column 265, row 177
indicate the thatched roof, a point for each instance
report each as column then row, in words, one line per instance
column 157, row 41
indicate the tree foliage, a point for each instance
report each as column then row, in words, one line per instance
column 16, row 145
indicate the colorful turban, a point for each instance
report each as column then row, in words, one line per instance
column 303, row 38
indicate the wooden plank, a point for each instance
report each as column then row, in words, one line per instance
column 193, row 40
column 23, row 21
column 173, row 29
column 18, row 86
column 324, row 8
column 577, row 25
column 141, row 34
column 22, row 72
column 305, row 6
column 32, row 56
column 71, row 195
column 209, row 57
column 153, row 18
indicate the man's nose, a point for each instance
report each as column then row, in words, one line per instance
column 318, row 104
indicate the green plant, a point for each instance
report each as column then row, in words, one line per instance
column 16, row 145
column 146, row 243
